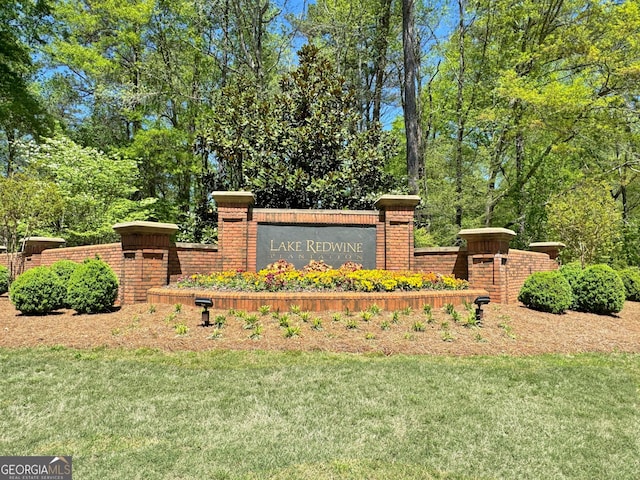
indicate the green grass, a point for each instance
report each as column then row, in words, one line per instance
column 255, row 415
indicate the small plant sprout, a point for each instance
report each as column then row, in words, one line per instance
column 264, row 309
column 427, row 309
column 470, row 320
column 284, row 320
column 456, row 316
column 418, row 326
column 370, row 336
column 366, row 315
column 348, row 312
column 215, row 335
column 219, row 321
column 407, row 310
column 257, row 332
column 295, row 309
column 395, row 317
column 170, row 318
column 316, row 323
column 152, row 308
column 385, row 325
column 430, row 318
column 181, row 329
column 449, row 308
column 250, row 322
column 351, row 324
column 305, row 316
column 177, row 307
column 447, row 336
column 292, row 331
column 374, row 309
column 336, row 317
column 241, row 314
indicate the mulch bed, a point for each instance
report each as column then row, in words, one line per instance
column 507, row 329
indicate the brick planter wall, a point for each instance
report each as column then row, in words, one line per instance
column 314, row 301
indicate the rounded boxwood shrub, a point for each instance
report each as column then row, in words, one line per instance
column 631, row 280
column 4, row 279
column 37, row 291
column 546, row 291
column 572, row 272
column 92, row 288
column 64, row 269
column 599, row 290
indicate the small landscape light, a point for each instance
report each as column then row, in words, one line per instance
column 480, row 301
column 205, row 303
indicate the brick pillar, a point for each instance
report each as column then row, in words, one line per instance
column 33, row 248
column 487, row 257
column 552, row 249
column 145, row 263
column 397, row 215
column 234, row 214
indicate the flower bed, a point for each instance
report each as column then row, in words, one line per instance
column 318, row 287
column 317, row 276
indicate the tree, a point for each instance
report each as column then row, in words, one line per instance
column 300, row 148
column 95, row 189
column 25, row 205
column 20, row 109
column 361, row 37
column 411, row 105
column 587, row 220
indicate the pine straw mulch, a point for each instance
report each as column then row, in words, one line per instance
column 507, row 329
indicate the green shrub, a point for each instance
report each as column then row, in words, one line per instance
column 599, row 290
column 37, row 291
column 64, row 269
column 631, row 279
column 93, row 287
column 4, row 279
column 546, row 291
column 571, row 272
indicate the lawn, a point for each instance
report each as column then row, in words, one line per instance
column 126, row 414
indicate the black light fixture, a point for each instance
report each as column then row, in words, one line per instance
column 205, row 303
column 480, row 301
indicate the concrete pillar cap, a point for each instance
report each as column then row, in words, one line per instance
column 397, row 201
column 238, row 197
column 149, row 228
column 493, row 232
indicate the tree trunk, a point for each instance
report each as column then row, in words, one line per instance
column 411, row 106
column 382, row 43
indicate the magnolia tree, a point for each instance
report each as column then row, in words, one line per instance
column 588, row 221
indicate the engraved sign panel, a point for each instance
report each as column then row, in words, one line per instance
column 299, row 244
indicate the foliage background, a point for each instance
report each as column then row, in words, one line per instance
column 145, row 107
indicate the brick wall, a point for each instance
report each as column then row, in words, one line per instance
column 190, row 258
column 445, row 260
column 147, row 258
column 520, row 265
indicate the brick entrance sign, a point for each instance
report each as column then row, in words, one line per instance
column 249, row 238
